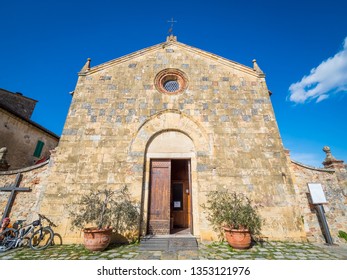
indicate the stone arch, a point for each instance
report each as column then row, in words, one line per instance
column 170, row 144
column 157, row 130
column 171, row 120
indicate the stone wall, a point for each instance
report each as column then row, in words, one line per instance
column 335, row 209
column 225, row 109
column 26, row 205
column 20, row 137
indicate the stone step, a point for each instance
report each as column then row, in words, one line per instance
column 168, row 243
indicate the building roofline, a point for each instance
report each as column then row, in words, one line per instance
column 4, row 107
column 19, row 95
column 229, row 63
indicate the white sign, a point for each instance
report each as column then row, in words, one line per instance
column 317, row 193
column 177, row 204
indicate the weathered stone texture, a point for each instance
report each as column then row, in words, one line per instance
column 21, row 137
column 26, row 205
column 336, row 207
column 223, row 122
column 225, row 110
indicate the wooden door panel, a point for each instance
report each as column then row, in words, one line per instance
column 190, row 211
column 159, row 209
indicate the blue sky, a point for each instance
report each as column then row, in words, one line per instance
column 300, row 45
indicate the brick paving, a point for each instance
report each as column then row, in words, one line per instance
column 206, row 251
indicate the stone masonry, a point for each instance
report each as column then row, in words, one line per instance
column 216, row 113
column 225, row 110
column 333, row 181
column 19, row 135
column 26, row 205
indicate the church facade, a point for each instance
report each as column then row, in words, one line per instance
column 173, row 122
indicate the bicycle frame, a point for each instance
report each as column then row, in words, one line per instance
column 25, row 230
column 39, row 237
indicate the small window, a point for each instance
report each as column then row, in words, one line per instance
column 38, row 149
column 171, row 86
column 171, row 81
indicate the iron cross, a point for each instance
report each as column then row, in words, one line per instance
column 13, row 188
column 172, row 21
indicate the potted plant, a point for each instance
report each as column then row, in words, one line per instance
column 99, row 213
column 234, row 214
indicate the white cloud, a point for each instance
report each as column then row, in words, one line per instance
column 327, row 78
column 322, row 97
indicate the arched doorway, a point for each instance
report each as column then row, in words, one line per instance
column 169, row 156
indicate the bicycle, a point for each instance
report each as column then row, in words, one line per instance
column 39, row 239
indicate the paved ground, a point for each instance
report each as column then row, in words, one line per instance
column 211, row 251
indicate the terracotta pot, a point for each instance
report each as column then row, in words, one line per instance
column 97, row 239
column 238, row 238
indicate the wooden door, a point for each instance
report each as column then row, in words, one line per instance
column 181, row 204
column 190, row 211
column 159, row 204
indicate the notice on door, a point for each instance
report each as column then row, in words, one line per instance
column 177, row 204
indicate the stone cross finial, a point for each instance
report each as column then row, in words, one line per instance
column 330, row 161
column 329, row 156
column 172, row 21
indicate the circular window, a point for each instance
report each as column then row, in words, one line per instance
column 171, row 86
column 171, row 81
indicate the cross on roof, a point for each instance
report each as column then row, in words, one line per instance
column 172, row 21
column 13, row 188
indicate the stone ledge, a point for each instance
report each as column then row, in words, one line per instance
column 311, row 167
column 25, row 169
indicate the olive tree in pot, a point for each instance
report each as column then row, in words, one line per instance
column 106, row 212
column 234, row 214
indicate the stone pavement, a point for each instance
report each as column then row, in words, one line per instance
column 206, row 251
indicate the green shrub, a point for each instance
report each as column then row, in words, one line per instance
column 106, row 208
column 342, row 235
column 233, row 210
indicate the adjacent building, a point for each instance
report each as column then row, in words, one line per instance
column 23, row 141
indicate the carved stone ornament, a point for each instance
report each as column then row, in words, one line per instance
column 329, row 156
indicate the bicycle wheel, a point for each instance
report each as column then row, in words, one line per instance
column 8, row 239
column 41, row 238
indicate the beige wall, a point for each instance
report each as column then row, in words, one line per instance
column 20, row 138
column 336, row 207
column 226, row 111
